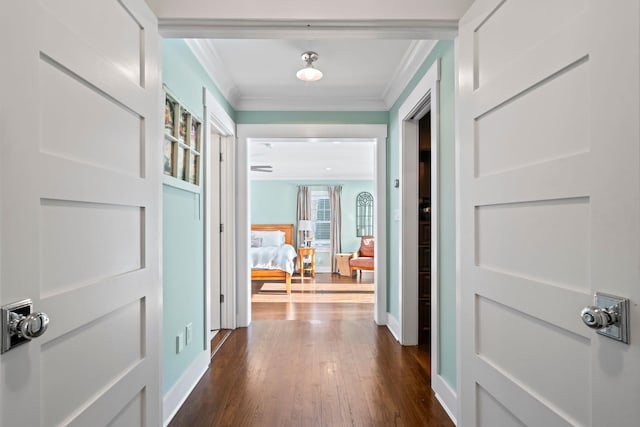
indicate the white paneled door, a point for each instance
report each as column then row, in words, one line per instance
column 79, row 222
column 548, row 112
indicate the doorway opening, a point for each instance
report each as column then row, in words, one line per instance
column 261, row 134
column 308, row 188
column 219, row 224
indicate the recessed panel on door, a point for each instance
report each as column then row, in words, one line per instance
column 79, row 366
column 547, row 241
column 549, row 121
column 530, row 352
column 70, row 254
column 513, row 28
column 81, row 123
column 94, row 19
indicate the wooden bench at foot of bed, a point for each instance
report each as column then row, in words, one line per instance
column 274, row 274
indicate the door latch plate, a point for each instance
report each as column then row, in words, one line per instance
column 620, row 330
column 20, row 308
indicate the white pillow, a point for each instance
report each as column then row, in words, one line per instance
column 269, row 238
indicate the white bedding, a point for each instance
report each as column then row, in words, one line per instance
column 273, row 258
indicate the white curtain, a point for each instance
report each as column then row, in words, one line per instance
column 335, row 193
column 303, row 209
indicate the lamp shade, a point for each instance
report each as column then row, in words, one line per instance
column 305, row 225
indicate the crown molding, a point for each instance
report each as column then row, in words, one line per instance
column 409, row 65
column 261, row 176
column 206, row 53
column 297, row 103
column 208, row 56
column 210, row 59
column 404, row 29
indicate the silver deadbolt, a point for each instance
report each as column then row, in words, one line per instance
column 20, row 324
column 609, row 316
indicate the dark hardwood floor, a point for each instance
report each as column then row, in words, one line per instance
column 322, row 369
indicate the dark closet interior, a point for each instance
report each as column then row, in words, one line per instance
column 424, row 231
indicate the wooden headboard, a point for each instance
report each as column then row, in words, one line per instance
column 287, row 228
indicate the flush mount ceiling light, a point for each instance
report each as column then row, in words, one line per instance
column 308, row 73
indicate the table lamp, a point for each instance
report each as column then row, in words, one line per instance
column 305, row 226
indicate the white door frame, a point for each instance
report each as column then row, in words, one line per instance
column 427, row 92
column 256, row 131
column 217, row 120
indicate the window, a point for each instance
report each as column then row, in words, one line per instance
column 321, row 217
column 364, row 214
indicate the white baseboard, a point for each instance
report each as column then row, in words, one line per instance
column 394, row 326
column 175, row 397
column 382, row 319
column 447, row 397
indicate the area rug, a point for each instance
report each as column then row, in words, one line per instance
column 309, row 286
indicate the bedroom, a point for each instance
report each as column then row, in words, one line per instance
column 330, row 177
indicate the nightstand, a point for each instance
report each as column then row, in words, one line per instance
column 304, row 252
column 342, row 260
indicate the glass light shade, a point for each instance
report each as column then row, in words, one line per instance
column 309, row 74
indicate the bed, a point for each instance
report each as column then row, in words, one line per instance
column 271, row 272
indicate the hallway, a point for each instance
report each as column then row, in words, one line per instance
column 340, row 370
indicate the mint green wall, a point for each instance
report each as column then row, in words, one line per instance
column 183, row 232
column 183, row 301
column 323, row 117
column 447, row 294
column 274, row 202
column 184, row 77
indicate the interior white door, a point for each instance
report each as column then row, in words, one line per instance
column 215, row 256
column 228, row 237
column 550, row 174
column 80, row 195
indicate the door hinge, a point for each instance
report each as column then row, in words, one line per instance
column 221, row 228
column 221, row 157
column 221, row 298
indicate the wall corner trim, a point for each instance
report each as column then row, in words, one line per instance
column 446, row 396
column 174, row 398
column 394, row 326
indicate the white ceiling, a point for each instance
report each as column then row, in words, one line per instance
column 313, row 159
column 359, row 74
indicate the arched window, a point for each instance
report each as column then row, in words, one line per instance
column 364, row 214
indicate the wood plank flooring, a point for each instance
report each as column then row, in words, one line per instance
column 318, row 370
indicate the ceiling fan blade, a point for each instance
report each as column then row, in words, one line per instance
column 262, row 168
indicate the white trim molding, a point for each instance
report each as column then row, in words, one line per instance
column 425, row 94
column 394, row 326
column 216, row 119
column 175, row 397
column 409, row 65
column 332, row 99
column 256, row 132
column 447, row 397
column 208, row 56
column 309, row 29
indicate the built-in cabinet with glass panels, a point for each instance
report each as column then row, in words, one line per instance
column 182, row 142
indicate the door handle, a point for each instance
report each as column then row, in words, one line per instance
column 20, row 324
column 30, row 326
column 609, row 316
